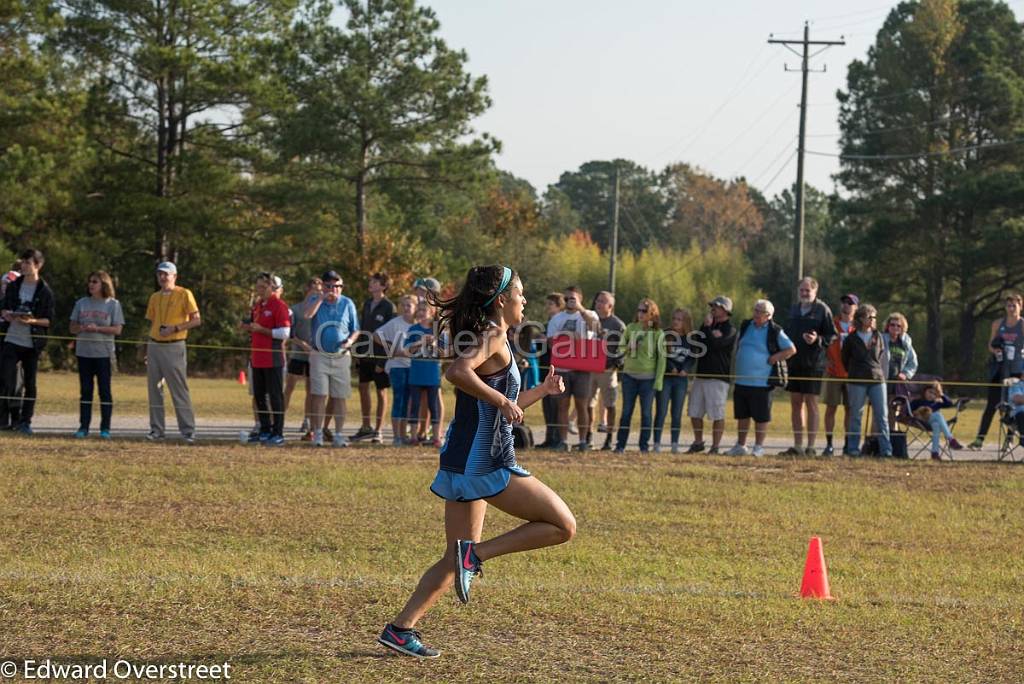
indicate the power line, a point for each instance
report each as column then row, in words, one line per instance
column 754, row 121
column 918, row 155
column 851, row 14
column 737, row 89
column 767, row 141
column 926, row 124
column 778, row 173
column 914, row 90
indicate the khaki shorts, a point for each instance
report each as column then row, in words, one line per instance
column 707, row 398
column 330, row 375
column 608, row 384
column 834, row 393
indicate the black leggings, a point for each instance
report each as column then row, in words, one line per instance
column 268, row 384
column 994, row 396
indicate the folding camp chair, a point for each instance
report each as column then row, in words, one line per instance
column 1010, row 437
column 919, row 432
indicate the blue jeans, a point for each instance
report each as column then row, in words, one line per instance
column 400, row 393
column 433, row 405
column 673, row 391
column 857, row 393
column 939, row 427
column 98, row 370
column 631, row 389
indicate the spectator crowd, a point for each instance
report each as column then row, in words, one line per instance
column 667, row 362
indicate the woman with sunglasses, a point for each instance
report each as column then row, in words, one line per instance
column 478, row 461
column 901, row 358
column 863, row 356
column 899, row 348
column 643, row 372
column 95, row 321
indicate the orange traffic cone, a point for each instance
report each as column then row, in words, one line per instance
column 815, row 583
column 241, row 378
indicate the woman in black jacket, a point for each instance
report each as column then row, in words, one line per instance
column 864, row 360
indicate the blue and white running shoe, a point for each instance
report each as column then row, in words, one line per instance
column 407, row 642
column 467, row 566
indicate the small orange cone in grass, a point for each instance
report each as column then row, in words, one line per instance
column 815, row 583
column 241, row 378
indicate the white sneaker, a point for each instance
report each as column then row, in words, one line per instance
column 758, row 451
column 340, row 441
column 675, row 449
column 318, row 438
column 657, row 448
column 738, row 450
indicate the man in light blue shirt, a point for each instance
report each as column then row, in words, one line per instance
column 762, row 343
column 333, row 332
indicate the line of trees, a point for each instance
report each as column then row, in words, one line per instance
column 234, row 136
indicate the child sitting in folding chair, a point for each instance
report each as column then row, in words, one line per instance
column 928, row 409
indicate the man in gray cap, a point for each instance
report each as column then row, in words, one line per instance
column 172, row 312
column 710, row 389
column 424, row 286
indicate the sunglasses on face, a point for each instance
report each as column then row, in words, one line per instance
column 641, row 310
column 334, row 286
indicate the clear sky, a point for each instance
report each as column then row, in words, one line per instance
column 658, row 81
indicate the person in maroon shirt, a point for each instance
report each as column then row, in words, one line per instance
column 269, row 326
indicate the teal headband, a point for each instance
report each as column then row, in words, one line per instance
column 506, row 278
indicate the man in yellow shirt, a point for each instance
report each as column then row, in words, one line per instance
column 172, row 312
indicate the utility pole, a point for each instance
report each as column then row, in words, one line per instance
column 615, row 234
column 798, row 228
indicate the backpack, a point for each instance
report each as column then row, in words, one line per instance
column 779, row 376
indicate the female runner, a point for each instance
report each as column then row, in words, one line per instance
column 478, row 461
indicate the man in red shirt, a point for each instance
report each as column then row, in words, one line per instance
column 269, row 326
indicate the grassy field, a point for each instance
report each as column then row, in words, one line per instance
column 287, row 562
column 221, row 399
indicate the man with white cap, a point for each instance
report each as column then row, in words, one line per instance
column 172, row 312
column 711, row 388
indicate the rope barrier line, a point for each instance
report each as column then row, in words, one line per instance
column 544, row 368
column 300, row 410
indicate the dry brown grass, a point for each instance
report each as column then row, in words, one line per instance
column 287, row 563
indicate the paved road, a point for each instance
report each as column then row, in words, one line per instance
column 229, row 429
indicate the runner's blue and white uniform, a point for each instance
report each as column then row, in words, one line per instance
column 479, row 457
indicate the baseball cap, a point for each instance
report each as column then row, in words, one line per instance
column 167, row 267
column 330, row 275
column 11, row 276
column 722, row 301
column 852, row 297
column 276, row 282
column 428, row 283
